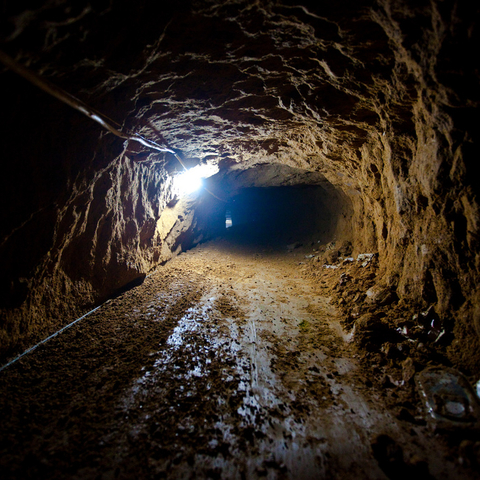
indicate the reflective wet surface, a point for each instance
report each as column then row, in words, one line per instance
column 226, row 363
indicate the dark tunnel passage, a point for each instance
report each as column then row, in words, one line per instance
column 277, row 216
column 271, row 206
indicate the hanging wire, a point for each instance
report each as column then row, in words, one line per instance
column 98, row 117
column 82, row 107
column 77, row 104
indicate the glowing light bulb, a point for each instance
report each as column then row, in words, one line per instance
column 192, row 180
column 188, row 182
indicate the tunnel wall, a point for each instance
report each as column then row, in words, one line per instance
column 419, row 197
column 80, row 219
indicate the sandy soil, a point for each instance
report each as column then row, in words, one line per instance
column 228, row 362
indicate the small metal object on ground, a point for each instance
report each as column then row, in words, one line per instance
column 448, row 398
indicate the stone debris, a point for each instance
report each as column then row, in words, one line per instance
column 329, row 246
column 365, row 258
column 381, row 295
column 430, row 324
column 436, row 332
column 372, row 332
column 346, row 249
column 408, row 369
column 426, row 327
column 331, row 256
column 406, row 333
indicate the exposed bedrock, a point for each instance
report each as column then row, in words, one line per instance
column 374, row 102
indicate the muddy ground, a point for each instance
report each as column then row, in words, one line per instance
column 234, row 361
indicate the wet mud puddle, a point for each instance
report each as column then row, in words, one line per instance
column 223, row 364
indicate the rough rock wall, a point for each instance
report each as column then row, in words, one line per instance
column 79, row 220
column 421, row 165
column 80, row 216
column 378, row 97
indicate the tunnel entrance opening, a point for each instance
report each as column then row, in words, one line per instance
column 278, row 216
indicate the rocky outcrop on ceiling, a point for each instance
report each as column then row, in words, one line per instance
column 376, row 100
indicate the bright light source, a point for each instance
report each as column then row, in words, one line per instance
column 228, row 219
column 192, row 180
column 187, row 182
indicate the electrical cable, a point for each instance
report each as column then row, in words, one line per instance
column 82, row 107
column 77, row 104
column 47, row 339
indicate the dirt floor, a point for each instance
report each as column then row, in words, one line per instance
column 231, row 361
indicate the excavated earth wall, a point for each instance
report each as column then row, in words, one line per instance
column 378, row 98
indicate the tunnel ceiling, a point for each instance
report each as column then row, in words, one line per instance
column 376, row 101
column 242, row 83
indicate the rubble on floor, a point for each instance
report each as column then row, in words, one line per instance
column 400, row 345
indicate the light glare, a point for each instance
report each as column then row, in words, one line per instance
column 188, row 182
column 192, row 180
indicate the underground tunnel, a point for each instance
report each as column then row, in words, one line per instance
column 278, row 216
column 307, row 306
column 275, row 206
